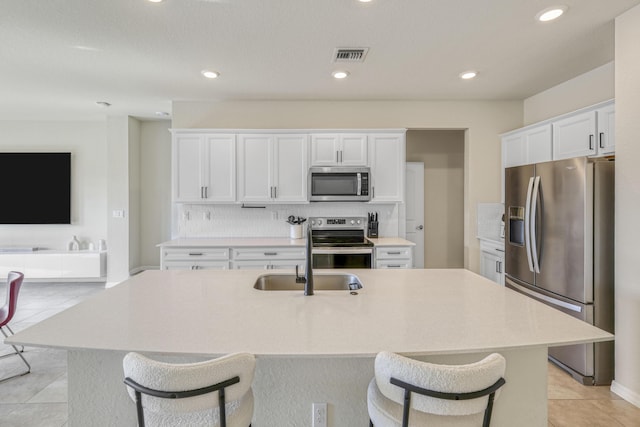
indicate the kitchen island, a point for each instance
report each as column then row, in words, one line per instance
column 309, row 349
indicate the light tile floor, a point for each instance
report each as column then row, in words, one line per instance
column 39, row 399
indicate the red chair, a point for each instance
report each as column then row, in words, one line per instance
column 14, row 281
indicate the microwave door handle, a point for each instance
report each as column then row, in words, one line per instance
column 527, row 222
column 534, row 225
column 359, row 191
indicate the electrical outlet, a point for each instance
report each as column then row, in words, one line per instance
column 319, row 415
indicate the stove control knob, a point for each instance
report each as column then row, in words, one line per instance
column 358, row 222
column 352, row 222
column 319, row 222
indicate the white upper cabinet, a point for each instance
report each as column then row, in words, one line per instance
column 589, row 133
column 204, row 168
column 387, row 159
column 606, row 129
column 272, row 168
column 333, row 149
column 531, row 145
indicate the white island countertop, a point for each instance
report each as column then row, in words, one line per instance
column 414, row 312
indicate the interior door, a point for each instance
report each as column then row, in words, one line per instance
column 414, row 203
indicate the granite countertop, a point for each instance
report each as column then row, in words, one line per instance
column 207, row 312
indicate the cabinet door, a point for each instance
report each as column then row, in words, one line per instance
column 353, row 150
column 333, row 149
column 387, row 167
column 490, row 266
column 538, row 145
column 255, row 166
column 526, row 147
column 219, row 171
column 606, row 130
column 575, row 136
column 187, row 168
column 291, row 168
column 325, row 149
column 514, row 152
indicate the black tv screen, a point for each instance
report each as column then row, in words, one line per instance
column 35, row 188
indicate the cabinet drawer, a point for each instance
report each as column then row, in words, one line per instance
column 393, row 253
column 208, row 254
column 268, row 253
column 388, row 264
column 196, row 265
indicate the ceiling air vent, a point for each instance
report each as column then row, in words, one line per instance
column 350, row 54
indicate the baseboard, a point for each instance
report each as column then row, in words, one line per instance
column 625, row 393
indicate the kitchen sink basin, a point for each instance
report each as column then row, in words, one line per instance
column 321, row 282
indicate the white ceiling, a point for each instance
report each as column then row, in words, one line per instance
column 58, row 57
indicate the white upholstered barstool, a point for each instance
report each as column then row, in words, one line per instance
column 407, row 392
column 171, row 394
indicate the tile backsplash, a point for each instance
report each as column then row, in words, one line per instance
column 192, row 221
column 490, row 220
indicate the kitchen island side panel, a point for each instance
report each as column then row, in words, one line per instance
column 285, row 387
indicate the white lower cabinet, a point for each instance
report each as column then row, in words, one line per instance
column 194, row 258
column 492, row 261
column 394, row 257
column 268, row 258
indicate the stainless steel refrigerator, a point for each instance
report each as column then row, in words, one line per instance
column 559, row 250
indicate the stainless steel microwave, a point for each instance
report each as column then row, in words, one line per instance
column 339, row 184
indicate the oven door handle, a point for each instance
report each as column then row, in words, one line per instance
column 342, row 251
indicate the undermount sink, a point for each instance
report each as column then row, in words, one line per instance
column 321, row 282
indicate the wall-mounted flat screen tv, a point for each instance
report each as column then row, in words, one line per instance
column 35, row 188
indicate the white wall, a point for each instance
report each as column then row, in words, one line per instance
column 627, row 376
column 442, row 152
column 87, row 143
column 589, row 88
column 483, row 120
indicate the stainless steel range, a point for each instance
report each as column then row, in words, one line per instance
column 340, row 242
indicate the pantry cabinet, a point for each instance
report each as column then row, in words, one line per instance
column 272, row 168
column 204, row 168
column 337, row 149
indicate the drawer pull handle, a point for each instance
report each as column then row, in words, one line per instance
column 394, row 253
column 394, row 266
column 195, row 254
column 270, row 253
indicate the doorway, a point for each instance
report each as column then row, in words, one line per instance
column 442, row 152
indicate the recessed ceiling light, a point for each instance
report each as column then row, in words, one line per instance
column 340, row 74
column 210, row 74
column 162, row 114
column 364, row 1
column 551, row 13
column 103, row 103
column 86, row 48
column 467, row 75
column 155, row 1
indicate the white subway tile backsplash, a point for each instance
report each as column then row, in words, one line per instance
column 490, row 220
column 194, row 221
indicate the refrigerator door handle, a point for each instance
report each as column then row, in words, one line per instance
column 527, row 222
column 534, row 225
column 541, row 297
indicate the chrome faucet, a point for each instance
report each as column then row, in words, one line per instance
column 308, row 271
